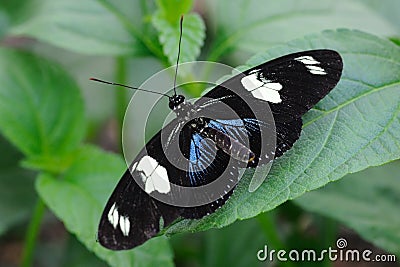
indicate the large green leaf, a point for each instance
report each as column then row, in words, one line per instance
column 91, row 26
column 255, row 25
column 41, row 109
column 367, row 201
column 79, row 198
column 356, row 126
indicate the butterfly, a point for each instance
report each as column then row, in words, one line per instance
column 215, row 143
column 190, row 168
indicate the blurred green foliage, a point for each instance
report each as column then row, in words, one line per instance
column 49, row 112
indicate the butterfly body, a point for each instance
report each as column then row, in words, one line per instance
column 245, row 122
column 228, row 144
column 185, row 113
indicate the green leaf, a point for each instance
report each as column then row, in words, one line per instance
column 192, row 38
column 254, row 26
column 91, row 27
column 9, row 13
column 364, row 201
column 41, row 109
column 356, row 126
column 79, row 198
column 171, row 10
column 17, row 194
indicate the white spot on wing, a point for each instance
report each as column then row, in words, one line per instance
column 316, row 70
column 262, row 88
column 147, row 165
column 133, row 167
column 153, row 175
column 273, row 86
column 124, row 225
column 307, row 60
column 110, row 214
column 310, row 63
column 267, row 95
column 149, row 186
column 113, row 215
column 115, row 218
column 251, row 82
column 160, row 179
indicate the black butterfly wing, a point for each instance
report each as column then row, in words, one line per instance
column 306, row 77
column 291, row 85
column 206, row 163
column 132, row 216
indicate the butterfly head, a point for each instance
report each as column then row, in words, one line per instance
column 175, row 101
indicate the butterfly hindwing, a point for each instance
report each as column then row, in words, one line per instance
column 206, row 163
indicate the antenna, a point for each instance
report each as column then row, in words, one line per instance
column 130, row 87
column 179, row 52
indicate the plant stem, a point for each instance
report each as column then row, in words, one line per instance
column 120, row 96
column 32, row 234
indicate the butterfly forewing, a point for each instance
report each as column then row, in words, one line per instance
column 290, row 85
column 132, row 216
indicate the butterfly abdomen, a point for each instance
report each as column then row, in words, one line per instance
column 228, row 144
